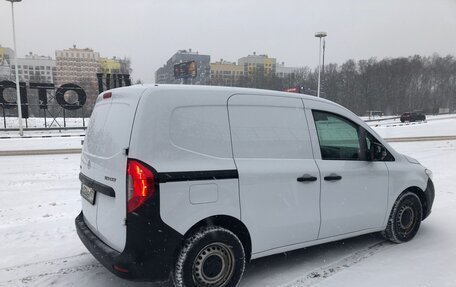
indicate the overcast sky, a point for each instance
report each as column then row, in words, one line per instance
column 151, row 31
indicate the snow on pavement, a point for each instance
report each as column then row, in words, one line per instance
column 430, row 258
column 18, row 144
column 39, row 199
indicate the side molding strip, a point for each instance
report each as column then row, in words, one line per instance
column 197, row 175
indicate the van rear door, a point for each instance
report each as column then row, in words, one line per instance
column 104, row 163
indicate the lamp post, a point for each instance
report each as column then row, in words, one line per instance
column 319, row 35
column 18, row 93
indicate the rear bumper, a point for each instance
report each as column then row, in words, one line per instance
column 102, row 252
column 141, row 260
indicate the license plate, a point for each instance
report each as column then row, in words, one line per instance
column 88, row 193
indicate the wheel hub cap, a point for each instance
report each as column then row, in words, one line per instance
column 407, row 218
column 213, row 266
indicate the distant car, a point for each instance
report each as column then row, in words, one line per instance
column 413, row 116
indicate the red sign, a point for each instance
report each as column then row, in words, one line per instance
column 293, row 90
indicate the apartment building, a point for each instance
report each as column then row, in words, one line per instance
column 110, row 66
column 76, row 65
column 5, row 71
column 224, row 73
column 165, row 74
column 35, row 68
column 284, row 72
column 79, row 66
column 254, row 64
column 6, row 55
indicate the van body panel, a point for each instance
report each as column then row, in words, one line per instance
column 401, row 174
column 184, row 136
column 357, row 201
column 272, row 149
column 104, row 160
column 404, row 175
column 178, row 210
column 157, row 140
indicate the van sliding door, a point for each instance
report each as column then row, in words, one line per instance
column 279, row 180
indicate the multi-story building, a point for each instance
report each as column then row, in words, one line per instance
column 79, row 66
column 76, row 65
column 5, row 71
column 110, row 66
column 254, row 64
column 165, row 74
column 225, row 73
column 6, row 54
column 35, row 68
column 284, row 72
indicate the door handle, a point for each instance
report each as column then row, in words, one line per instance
column 333, row 177
column 306, row 178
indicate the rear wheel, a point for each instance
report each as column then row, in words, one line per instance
column 405, row 218
column 212, row 256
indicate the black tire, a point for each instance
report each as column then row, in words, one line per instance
column 212, row 256
column 405, row 218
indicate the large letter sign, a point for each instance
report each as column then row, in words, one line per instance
column 60, row 96
column 23, row 93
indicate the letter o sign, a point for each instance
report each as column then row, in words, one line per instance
column 60, row 96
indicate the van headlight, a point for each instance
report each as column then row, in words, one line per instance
column 429, row 173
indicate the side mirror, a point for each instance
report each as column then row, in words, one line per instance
column 377, row 152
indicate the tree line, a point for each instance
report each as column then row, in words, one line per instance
column 391, row 85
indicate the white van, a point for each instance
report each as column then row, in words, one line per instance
column 190, row 182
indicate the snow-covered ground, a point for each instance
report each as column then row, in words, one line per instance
column 39, row 199
column 443, row 125
column 18, row 144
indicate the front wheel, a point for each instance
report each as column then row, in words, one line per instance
column 212, row 256
column 405, row 218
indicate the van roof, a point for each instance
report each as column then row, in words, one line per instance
column 223, row 91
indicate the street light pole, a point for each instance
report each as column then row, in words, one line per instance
column 18, row 92
column 319, row 35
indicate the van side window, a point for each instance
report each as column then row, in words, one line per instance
column 339, row 138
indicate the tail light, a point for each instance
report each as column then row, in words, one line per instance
column 106, row 95
column 140, row 184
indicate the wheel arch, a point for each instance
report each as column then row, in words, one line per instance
column 232, row 224
column 420, row 193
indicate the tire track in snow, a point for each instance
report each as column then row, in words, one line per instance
column 320, row 274
column 14, row 275
column 10, row 268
